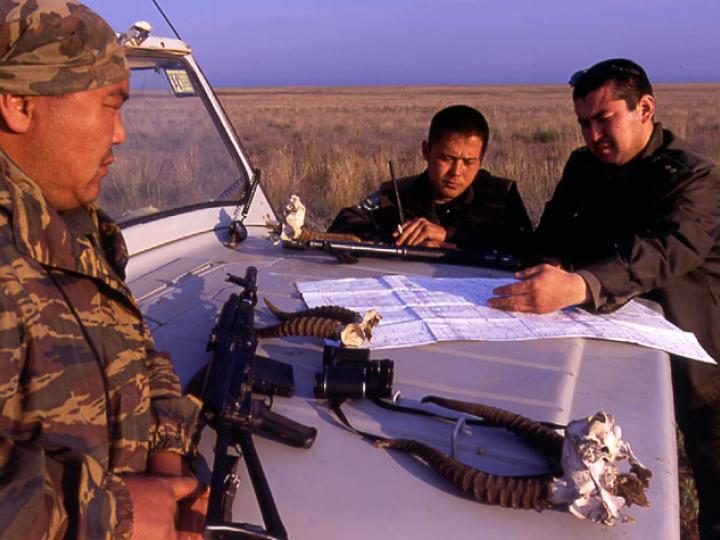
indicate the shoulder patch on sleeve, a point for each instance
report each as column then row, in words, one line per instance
column 371, row 202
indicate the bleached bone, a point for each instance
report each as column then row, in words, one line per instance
column 591, row 486
column 370, row 320
column 293, row 219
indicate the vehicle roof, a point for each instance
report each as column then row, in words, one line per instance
column 161, row 44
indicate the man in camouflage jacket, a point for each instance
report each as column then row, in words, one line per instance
column 454, row 202
column 92, row 421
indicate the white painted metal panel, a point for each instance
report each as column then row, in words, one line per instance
column 343, row 487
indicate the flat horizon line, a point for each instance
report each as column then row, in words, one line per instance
column 435, row 86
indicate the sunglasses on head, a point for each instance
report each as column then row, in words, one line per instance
column 603, row 70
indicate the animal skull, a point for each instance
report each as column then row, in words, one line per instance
column 591, row 448
column 293, row 219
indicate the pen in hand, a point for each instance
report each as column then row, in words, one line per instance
column 401, row 217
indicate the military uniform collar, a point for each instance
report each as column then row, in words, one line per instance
column 420, row 203
column 42, row 234
column 620, row 172
column 428, row 195
column 655, row 142
column 468, row 195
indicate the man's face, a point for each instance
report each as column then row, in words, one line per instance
column 453, row 162
column 73, row 136
column 613, row 132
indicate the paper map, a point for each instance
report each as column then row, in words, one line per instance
column 420, row 310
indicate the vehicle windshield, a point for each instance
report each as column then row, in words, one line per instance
column 173, row 155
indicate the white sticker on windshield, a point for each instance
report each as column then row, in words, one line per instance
column 180, row 82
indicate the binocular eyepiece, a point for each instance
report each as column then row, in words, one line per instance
column 350, row 374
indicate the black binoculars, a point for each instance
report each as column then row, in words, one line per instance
column 350, row 374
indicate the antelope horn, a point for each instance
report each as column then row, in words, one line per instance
column 538, row 435
column 350, row 335
column 338, row 313
column 527, row 492
column 303, row 326
column 307, row 235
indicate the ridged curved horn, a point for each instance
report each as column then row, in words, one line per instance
column 541, row 437
column 307, row 235
column 303, row 326
column 338, row 313
column 528, row 492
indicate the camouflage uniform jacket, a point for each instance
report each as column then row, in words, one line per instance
column 489, row 215
column 84, row 398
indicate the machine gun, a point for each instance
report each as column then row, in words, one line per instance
column 232, row 410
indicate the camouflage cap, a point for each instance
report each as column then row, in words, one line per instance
column 54, row 47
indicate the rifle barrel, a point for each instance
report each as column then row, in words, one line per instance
column 451, row 256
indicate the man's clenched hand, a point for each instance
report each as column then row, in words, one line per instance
column 168, row 501
column 420, row 232
column 155, row 503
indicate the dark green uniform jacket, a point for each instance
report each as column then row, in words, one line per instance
column 84, row 398
column 649, row 228
column 489, row 215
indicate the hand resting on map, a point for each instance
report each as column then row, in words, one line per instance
column 541, row 289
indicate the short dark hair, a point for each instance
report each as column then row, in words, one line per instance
column 630, row 82
column 459, row 119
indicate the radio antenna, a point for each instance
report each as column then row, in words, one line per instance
column 167, row 19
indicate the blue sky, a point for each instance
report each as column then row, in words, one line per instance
column 376, row 42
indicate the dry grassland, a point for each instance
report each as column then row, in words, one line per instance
column 172, row 157
column 332, row 145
